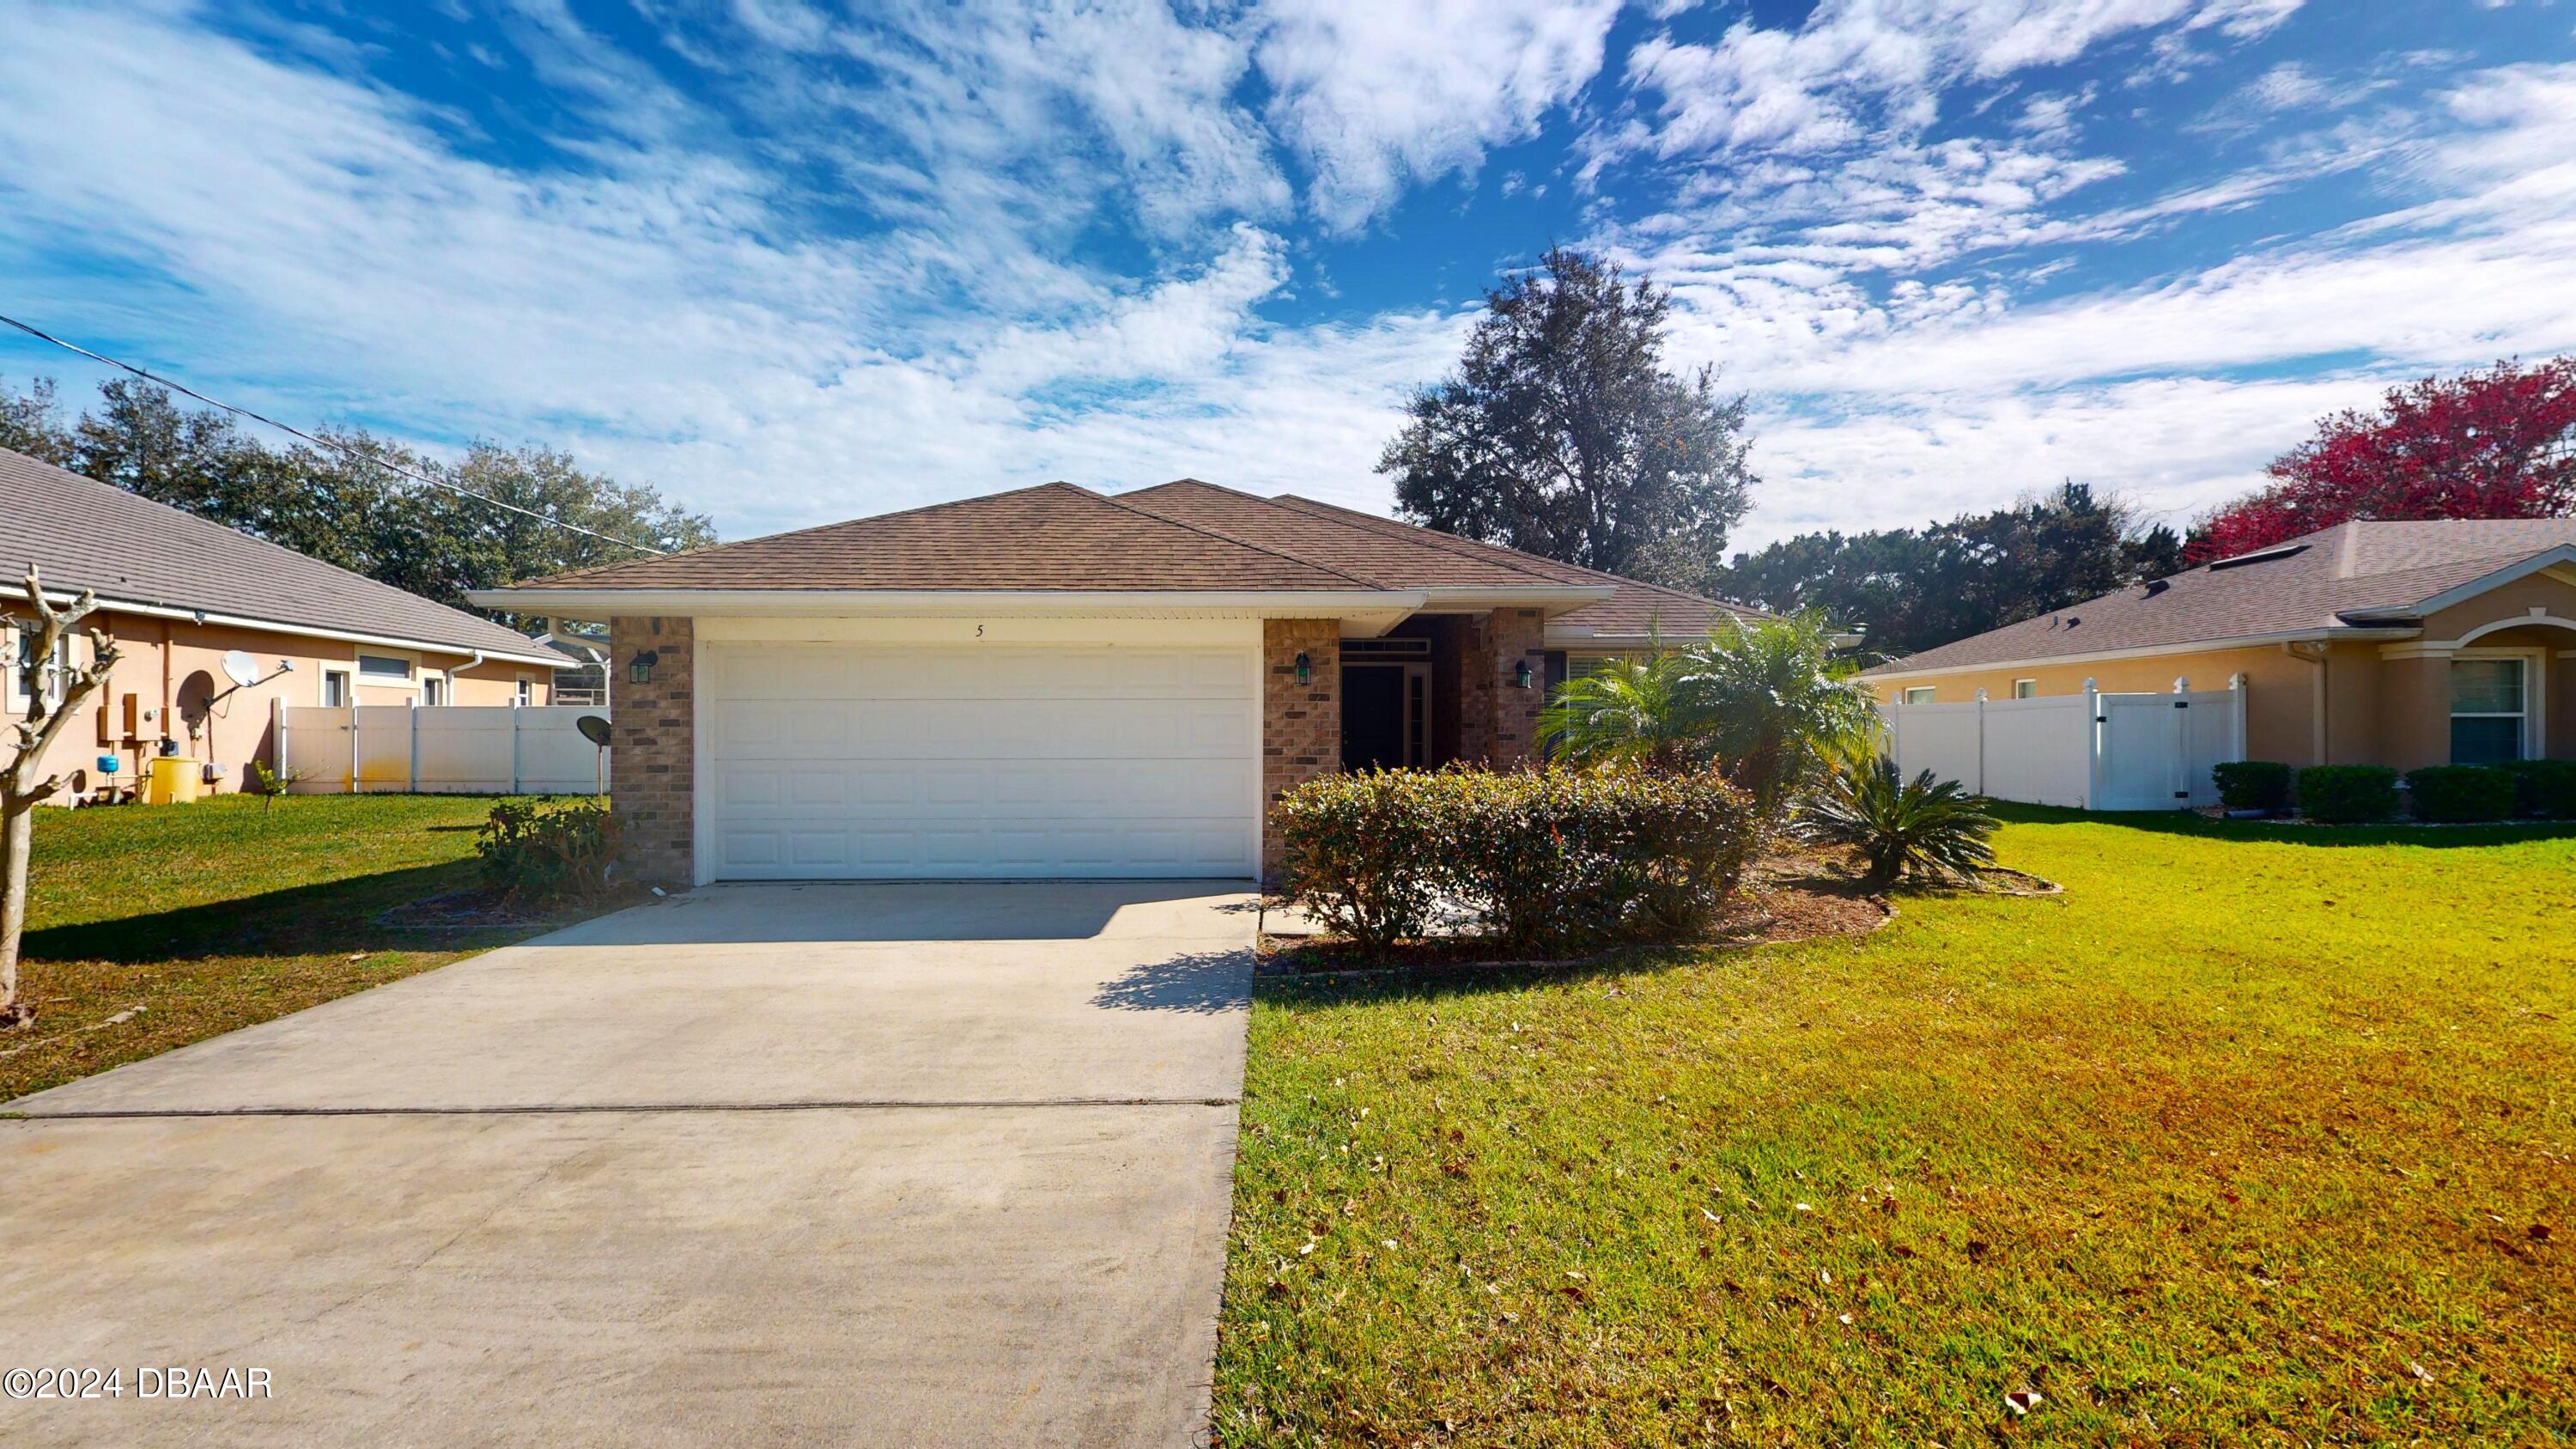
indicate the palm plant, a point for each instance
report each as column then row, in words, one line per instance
column 1628, row 711
column 1925, row 829
column 1774, row 706
column 1763, row 701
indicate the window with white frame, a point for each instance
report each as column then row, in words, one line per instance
column 27, row 673
column 2490, row 709
column 433, row 689
column 2025, row 689
column 527, row 690
column 1919, row 694
column 384, row 669
column 335, row 689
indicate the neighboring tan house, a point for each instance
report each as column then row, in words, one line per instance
column 1056, row 682
column 2400, row 644
column 179, row 593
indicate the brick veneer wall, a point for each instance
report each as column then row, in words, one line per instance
column 655, row 748
column 1301, row 726
column 1514, row 637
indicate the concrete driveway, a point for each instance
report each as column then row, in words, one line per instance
column 878, row 1164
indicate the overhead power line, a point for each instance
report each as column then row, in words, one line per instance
column 340, row 448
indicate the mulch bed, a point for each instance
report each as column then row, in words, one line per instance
column 1800, row 895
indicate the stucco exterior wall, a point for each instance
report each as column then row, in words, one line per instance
column 2357, row 702
column 169, row 666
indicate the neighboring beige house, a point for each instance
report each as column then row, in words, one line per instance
column 2400, row 644
column 1056, row 682
column 178, row 593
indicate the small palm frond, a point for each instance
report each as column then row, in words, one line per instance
column 1627, row 710
column 1922, row 829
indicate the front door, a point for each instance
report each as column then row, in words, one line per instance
column 1385, row 711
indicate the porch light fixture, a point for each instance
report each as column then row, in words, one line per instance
column 1521, row 675
column 639, row 670
column 1305, row 668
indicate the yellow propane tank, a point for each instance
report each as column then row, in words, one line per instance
column 170, row 780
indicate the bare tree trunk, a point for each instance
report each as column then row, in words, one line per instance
column 17, row 834
column 56, row 696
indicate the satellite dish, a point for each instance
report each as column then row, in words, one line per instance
column 593, row 729
column 240, row 668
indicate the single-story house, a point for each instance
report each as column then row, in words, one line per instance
column 2399, row 644
column 179, row 594
column 1058, row 682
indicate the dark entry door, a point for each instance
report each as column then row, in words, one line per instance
column 1372, row 717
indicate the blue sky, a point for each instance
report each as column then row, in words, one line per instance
column 795, row 260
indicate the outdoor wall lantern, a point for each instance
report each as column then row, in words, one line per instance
column 639, row 670
column 1305, row 668
column 1521, row 674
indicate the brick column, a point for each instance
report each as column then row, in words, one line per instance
column 1301, row 725
column 655, row 752
column 1516, row 637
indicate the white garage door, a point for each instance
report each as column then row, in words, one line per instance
column 835, row 760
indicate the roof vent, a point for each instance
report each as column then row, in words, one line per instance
column 2158, row 586
column 2073, row 620
column 2265, row 555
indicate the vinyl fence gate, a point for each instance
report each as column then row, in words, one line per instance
column 438, row 749
column 2089, row 751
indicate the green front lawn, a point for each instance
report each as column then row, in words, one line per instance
column 150, row 928
column 2259, row 1133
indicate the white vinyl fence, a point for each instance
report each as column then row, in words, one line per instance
column 2089, row 751
column 439, row 749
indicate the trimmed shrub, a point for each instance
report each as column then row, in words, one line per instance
column 2348, row 794
column 533, row 852
column 1361, row 848
column 2253, row 785
column 2459, row 793
column 2543, row 787
column 1553, row 859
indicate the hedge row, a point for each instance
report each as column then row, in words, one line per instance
column 2357, row 794
column 1540, row 859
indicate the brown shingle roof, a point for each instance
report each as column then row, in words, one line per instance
column 1052, row 537
column 1182, row 535
column 2350, row 576
column 1635, row 611
column 1392, row 559
column 81, row 533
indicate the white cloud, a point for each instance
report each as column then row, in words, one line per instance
column 1379, row 95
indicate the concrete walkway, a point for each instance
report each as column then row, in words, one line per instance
column 897, row 1164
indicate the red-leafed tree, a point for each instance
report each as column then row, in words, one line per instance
column 2494, row 444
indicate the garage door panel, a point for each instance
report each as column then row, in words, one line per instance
column 862, row 761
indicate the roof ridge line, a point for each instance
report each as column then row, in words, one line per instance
column 1112, row 500
column 1413, row 533
column 732, row 543
column 1477, row 548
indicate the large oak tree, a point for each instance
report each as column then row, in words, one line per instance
column 1562, row 433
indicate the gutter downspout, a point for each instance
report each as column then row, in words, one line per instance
column 2324, row 695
